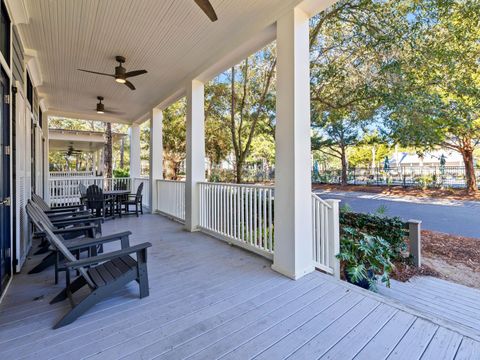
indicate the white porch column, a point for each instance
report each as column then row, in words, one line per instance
column 293, row 210
column 156, row 155
column 195, row 164
column 134, row 151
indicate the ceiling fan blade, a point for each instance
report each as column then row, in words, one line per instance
column 130, row 85
column 96, row 72
column 207, row 8
column 135, row 73
column 114, row 112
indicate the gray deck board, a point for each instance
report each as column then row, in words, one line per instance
column 209, row 300
column 452, row 302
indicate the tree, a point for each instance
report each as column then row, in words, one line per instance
column 174, row 138
column 437, row 97
column 351, row 52
column 108, row 150
column 245, row 101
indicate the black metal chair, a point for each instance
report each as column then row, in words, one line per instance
column 104, row 275
column 134, row 200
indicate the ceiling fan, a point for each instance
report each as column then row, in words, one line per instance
column 71, row 151
column 101, row 108
column 207, row 8
column 121, row 75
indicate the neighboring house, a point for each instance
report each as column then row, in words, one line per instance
column 432, row 158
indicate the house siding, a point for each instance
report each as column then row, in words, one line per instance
column 18, row 67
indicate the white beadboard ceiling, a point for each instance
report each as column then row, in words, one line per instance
column 172, row 39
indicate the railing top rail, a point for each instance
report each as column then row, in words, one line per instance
column 64, row 178
column 171, row 181
column 323, row 202
column 237, row 185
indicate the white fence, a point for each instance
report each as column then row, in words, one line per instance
column 326, row 234
column 65, row 191
column 240, row 214
column 146, row 189
column 70, row 174
column 171, row 198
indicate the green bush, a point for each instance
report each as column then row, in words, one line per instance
column 121, row 173
column 361, row 253
column 391, row 229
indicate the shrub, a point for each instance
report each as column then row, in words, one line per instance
column 121, row 173
column 362, row 253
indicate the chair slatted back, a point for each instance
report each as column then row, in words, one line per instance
column 139, row 191
column 83, row 190
column 40, row 202
column 60, row 246
column 37, row 215
column 95, row 199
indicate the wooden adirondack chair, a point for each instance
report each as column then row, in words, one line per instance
column 134, row 200
column 97, row 203
column 79, row 244
column 107, row 273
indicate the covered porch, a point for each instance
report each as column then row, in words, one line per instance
column 209, row 300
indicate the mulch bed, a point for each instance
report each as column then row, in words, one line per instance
column 451, row 194
column 453, row 249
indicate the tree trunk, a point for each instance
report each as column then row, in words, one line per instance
column 238, row 170
column 108, row 151
column 467, row 154
column 344, row 180
column 122, row 152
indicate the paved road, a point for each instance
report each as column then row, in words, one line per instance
column 449, row 216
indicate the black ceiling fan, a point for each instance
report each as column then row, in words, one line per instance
column 101, row 108
column 71, row 151
column 207, row 8
column 121, row 75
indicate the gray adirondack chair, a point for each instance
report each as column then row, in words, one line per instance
column 107, row 273
column 71, row 229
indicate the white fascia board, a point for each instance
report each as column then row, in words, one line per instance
column 18, row 11
column 33, row 66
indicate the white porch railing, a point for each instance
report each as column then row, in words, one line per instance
column 240, row 214
column 69, row 174
column 146, row 189
column 65, row 191
column 326, row 235
column 171, row 198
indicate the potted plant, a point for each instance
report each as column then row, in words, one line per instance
column 364, row 257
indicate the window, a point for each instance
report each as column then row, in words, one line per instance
column 5, row 33
column 29, row 91
column 40, row 118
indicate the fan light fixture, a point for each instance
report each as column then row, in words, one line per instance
column 120, row 80
column 100, row 106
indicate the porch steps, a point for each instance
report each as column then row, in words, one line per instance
column 457, row 304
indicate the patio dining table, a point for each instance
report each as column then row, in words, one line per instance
column 115, row 196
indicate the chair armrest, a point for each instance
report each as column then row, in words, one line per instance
column 74, row 214
column 71, row 208
column 74, row 229
column 94, row 220
column 68, row 219
column 88, row 242
column 107, row 256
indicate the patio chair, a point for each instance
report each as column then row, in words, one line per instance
column 70, row 229
column 134, row 200
column 79, row 244
column 107, row 273
column 97, row 203
column 82, row 189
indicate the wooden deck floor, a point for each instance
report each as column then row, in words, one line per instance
column 452, row 302
column 209, row 300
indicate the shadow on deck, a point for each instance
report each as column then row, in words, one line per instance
column 209, row 300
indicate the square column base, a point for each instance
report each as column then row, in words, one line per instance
column 289, row 274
